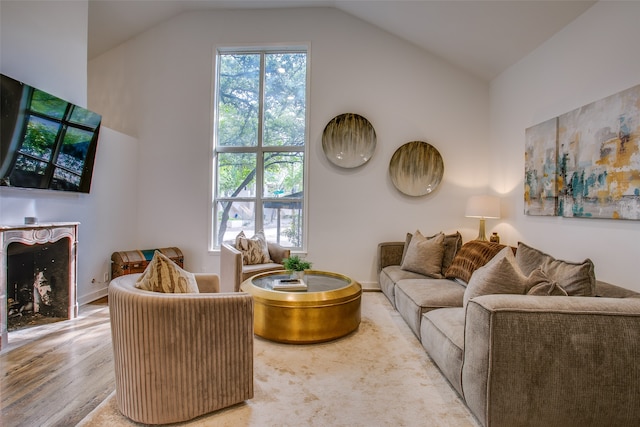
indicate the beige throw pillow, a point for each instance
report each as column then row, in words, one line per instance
column 501, row 275
column 538, row 283
column 424, row 255
column 164, row 275
column 254, row 250
column 576, row 278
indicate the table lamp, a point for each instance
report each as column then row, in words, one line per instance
column 483, row 207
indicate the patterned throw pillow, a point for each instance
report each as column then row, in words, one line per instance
column 501, row 275
column 254, row 250
column 164, row 275
column 576, row 278
column 424, row 255
column 471, row 256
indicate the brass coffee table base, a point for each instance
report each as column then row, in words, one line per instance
column 305, row 317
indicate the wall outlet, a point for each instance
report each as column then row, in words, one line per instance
column 106, row 277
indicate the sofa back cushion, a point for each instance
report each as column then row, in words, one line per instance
column 576, row 278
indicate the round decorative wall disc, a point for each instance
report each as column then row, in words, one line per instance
column 349, row 140
column 416, row 168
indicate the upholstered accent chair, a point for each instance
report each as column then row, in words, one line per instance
column 234, row 271
column 180, row 355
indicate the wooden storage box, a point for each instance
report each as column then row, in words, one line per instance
column 129, row 262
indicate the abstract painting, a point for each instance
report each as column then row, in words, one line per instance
column 540, row 163
column 596, row 170
column 599, row 158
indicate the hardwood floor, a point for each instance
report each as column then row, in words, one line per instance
column 55, row 374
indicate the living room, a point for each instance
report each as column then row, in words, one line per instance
column 154, row 94
column 151, row 184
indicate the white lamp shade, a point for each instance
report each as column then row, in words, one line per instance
column 483, row 207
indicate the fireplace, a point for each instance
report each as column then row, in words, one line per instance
column 38, row 275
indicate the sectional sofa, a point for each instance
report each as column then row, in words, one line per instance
column 517, row 347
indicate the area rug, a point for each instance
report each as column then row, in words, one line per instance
column 377, row 376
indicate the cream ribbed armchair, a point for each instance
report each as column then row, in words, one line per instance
column 179, row 356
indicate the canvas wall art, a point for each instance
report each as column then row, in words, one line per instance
column 540, row 177
column 599, row 158
column 597, row 167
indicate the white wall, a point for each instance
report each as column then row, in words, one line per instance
column 593, row 57
column 44, row 44
column 157, row 87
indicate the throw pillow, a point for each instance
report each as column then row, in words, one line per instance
column 424, row 255
column 501, row 275
column 577, row 279
column 471, row 256
column 164, row 275
column 538, row 283
column 254, row 250
column 452, row 244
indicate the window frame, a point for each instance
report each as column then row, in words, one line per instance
column 259, row 150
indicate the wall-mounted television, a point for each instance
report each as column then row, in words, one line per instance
column 45, row 142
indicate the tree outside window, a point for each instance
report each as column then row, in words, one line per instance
column 260, row 145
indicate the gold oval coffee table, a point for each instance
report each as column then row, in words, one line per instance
column 328, row 309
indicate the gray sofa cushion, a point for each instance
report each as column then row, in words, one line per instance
column 392, row 274
column 577, row 278
column 414, row 297
column 442, row 333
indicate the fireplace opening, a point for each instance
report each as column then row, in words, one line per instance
column 37, row 284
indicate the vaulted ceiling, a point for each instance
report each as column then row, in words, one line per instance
column 482, row 37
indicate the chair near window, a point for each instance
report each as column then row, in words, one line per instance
column 180, row 355
column 233, row 270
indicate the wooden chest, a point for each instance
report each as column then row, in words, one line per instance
column 129, row 262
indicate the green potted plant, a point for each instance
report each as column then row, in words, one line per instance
column 296, row 265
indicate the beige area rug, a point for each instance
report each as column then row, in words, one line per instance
column 378, row 376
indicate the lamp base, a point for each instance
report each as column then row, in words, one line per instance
column 481, row 233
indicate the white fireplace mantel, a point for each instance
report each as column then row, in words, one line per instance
column 36, row 234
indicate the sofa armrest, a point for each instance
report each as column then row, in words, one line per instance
column 389, row 253
column 230, row 267
column 278, row 253
column 552, row 360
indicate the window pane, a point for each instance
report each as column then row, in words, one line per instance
column 232, row 218
column 285, row 93
column 85, row 117
column 27, row 172
column 74, row 149
column 40, row 138
column 65, row 180
column 236, row 175
column 238, row 100
column 283, row 222
column 48, row 105
column 283, row 174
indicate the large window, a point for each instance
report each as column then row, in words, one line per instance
column 259, row 145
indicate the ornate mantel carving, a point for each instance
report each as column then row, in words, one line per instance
column 37, row 234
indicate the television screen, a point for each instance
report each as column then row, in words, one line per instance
column 45, row 142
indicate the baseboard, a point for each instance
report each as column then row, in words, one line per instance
column 370, row 286
column 92, row 296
